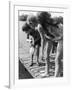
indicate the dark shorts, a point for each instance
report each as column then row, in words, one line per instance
column 37, row 43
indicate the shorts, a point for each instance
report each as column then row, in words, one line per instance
column 38, row 42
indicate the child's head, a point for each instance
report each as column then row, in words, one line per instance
column 32, row 21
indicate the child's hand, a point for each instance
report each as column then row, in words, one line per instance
column 28, row 40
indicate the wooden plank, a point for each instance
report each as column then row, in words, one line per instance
column 37, row 71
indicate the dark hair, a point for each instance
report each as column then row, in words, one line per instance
column 25, row 27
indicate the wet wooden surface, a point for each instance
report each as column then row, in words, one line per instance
column 38, row 71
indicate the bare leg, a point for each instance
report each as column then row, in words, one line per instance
column 59, row 57
column 31, row 60
column 49, row 47
column 32, row 55
column 43, row 47
column 37, row 53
